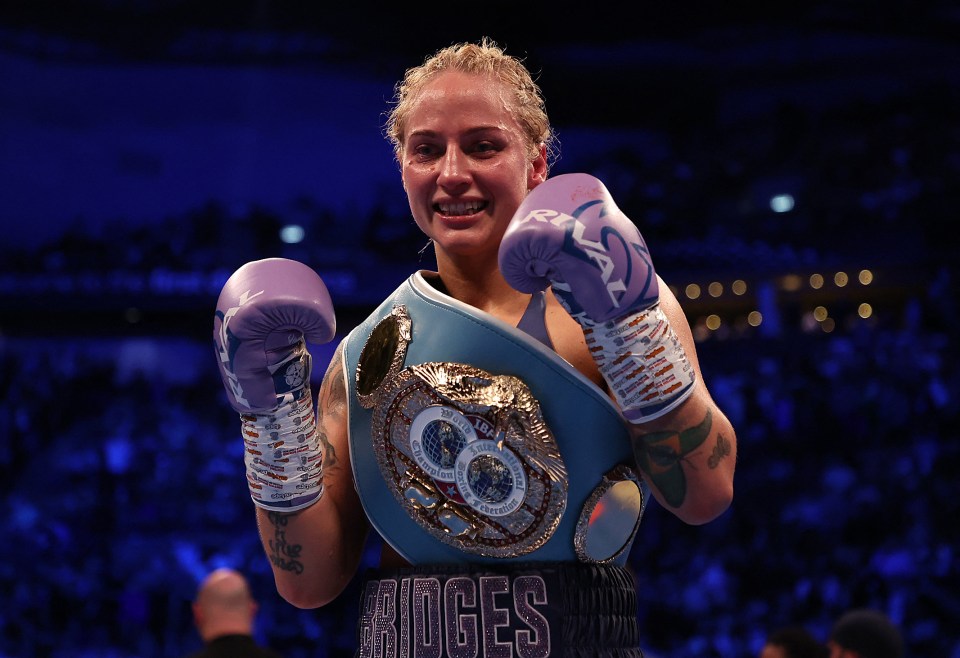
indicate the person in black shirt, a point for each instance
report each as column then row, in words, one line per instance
column 224, row 612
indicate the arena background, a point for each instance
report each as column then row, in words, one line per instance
column 811, row 154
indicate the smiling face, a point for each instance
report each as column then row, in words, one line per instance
column 466, row 164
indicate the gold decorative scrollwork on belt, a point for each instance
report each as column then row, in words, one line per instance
column 466, row 453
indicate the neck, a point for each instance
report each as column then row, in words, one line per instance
column 485, row 290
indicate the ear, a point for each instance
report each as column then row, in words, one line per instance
column 538, row 168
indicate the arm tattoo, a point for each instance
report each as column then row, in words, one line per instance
column 721, row 450
column 332, row 402
column 332, row 399
column 284, row 556
column 660, row 455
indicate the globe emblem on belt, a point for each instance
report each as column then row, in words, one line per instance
column 442, row 442
column 489, row 477
column 438, row 435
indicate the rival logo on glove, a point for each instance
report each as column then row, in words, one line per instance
column 228, row 344
column 576, row 244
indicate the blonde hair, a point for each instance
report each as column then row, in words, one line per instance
column 482, row 58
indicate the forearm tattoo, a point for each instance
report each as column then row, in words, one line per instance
column 660, row 455
column 283, row 555
column 332, row 402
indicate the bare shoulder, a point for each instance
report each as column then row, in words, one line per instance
column 670, row 304
column 332, row 412
column 333, row 387
column 569, row 342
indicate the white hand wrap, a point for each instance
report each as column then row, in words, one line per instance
column 282, row 454
column 643, row 361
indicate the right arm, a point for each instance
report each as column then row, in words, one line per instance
column 316, row 551
column 309, row 516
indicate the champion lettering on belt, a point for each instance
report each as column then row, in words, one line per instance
column 458, row 616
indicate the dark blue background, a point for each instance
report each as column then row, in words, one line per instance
column 148, row 149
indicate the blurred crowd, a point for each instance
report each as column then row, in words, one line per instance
column 123, row 477
column 861, row 180
column 125, row 486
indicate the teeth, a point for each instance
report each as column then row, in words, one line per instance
column 461, row 208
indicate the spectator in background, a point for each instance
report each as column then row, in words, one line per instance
column 793, row 642
column 223, row 613
column 865, row 633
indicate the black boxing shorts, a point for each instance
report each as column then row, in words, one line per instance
column 534, row 610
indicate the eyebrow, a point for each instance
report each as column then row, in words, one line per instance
column 426, row 132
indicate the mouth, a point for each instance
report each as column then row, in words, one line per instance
column 459, row 208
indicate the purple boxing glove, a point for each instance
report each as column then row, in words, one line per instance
column 569, row 229
column 569, row 234
column 266, row 312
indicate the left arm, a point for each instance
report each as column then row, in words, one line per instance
column 570, row 235
column 688, row 455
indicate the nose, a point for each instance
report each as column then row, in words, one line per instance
column 454, row 170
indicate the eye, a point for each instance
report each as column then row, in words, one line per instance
column 484, row 147
column 425, row 150
column 422, row 149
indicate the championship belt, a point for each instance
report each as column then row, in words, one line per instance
column 472, row 442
